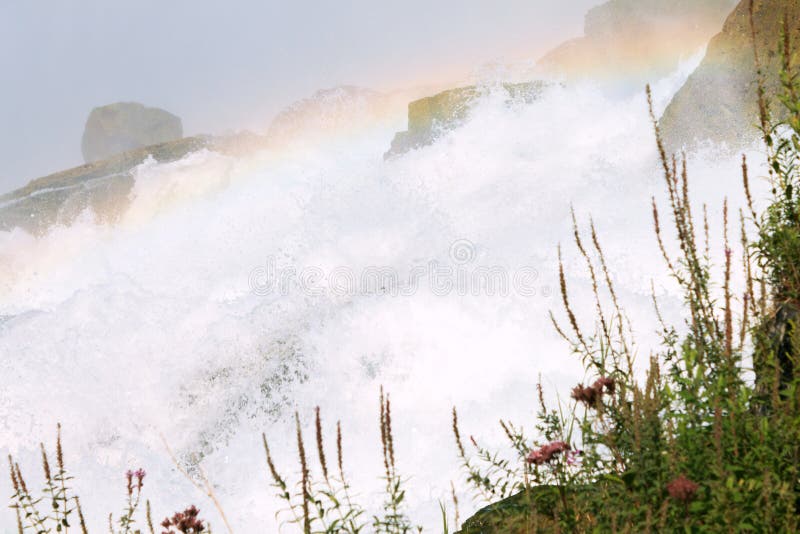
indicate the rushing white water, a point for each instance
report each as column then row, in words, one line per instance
column 151, row 326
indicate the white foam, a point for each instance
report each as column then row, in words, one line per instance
column 150, row 326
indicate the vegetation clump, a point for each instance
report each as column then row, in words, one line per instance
column 708, row 437
column 705, row 437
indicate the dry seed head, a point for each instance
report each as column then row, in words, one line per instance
column 82, row 521
column 507, row 431
column 455, row 504
column 748, row 195
column 787, row 43
column 659, row 141
column 558, row 329
column 59, row 449
column 45, row 464
column 540, row 394
column 745, row 320
column 727, row 284
column 384, row 438
column 149, row 516
column 706, row 230
column 339, row 448
column 610, row 286
column 14, row 480
column 304, row 469
column 590, row 266
column 21, row 480
column 657, row 308
column 685, row 202
column 562, row 282
column 457, row 435
column 273, row 471
column 661, row 246
column 389, row 435
column 320, row 445
column 763, row 111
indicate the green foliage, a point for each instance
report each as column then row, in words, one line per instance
column 55, row 498
column 323, row 503
column 695, row 444
column 778, row 245
column 705, row 438
column 62, row 506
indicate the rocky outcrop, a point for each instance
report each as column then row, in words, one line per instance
column 125, row 126
column 513, row 514
column 628, row 43
column 718, row 102
column 431, row 116
column 326, row 113
column 102, row 186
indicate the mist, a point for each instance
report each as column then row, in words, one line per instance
column 233, row 66
column 409, row 220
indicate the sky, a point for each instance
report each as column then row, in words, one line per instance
column 234, row 65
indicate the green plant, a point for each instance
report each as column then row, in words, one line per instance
column 55, row 496
column 692, row 443
column 324, row 503
column 60, row 504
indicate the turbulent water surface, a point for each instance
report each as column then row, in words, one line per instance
column 165, row 324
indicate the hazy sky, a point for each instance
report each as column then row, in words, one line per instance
column 234, row 64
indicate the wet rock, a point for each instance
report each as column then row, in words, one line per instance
column 125, row 126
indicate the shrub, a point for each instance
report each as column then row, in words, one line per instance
column 695, row 443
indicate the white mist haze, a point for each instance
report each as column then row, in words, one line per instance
column 146, row 328
column 150, row 326
column 233, row 65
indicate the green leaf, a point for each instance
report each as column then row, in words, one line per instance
column 612, row 478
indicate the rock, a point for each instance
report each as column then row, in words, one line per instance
column 327, row 113
column 102, row 186
column 513, row 514
column 628, row 43
column 431, row 116
column 718, row 102
column 124, row 126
